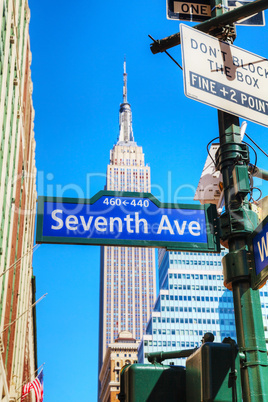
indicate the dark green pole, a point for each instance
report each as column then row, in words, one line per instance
column 237, row 222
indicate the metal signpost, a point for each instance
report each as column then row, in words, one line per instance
column 127, row 219
column 237, row 223
column 227, row 77
column 224, row 76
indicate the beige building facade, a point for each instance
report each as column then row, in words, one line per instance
column 119, row 353
column 17, row 203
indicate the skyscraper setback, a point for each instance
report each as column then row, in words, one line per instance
column 127, row 285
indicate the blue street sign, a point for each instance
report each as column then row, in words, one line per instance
column 127, row 219
column 259, row 248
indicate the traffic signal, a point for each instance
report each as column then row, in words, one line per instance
column 212, row 373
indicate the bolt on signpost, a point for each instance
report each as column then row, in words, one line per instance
column 238, row 221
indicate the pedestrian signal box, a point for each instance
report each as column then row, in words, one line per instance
column 152, row 383
column 213, row 373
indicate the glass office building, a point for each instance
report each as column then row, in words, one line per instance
column 192, row 301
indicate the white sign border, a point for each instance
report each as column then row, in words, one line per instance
column 244, row 116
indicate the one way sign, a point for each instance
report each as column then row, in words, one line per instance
column 196, row 10
column 200, row 10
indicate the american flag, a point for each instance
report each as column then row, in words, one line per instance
column 37, row 386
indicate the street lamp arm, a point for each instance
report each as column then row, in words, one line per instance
column 258, row 172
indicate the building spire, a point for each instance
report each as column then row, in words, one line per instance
column 125, row 116
column 125, row 83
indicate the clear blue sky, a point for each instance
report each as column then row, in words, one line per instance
column 78, row 50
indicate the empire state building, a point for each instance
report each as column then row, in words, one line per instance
column 127, row 276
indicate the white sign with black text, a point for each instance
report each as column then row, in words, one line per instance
column 224, row 76
column 196, row 10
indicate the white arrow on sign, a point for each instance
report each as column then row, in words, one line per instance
column 254, row 20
